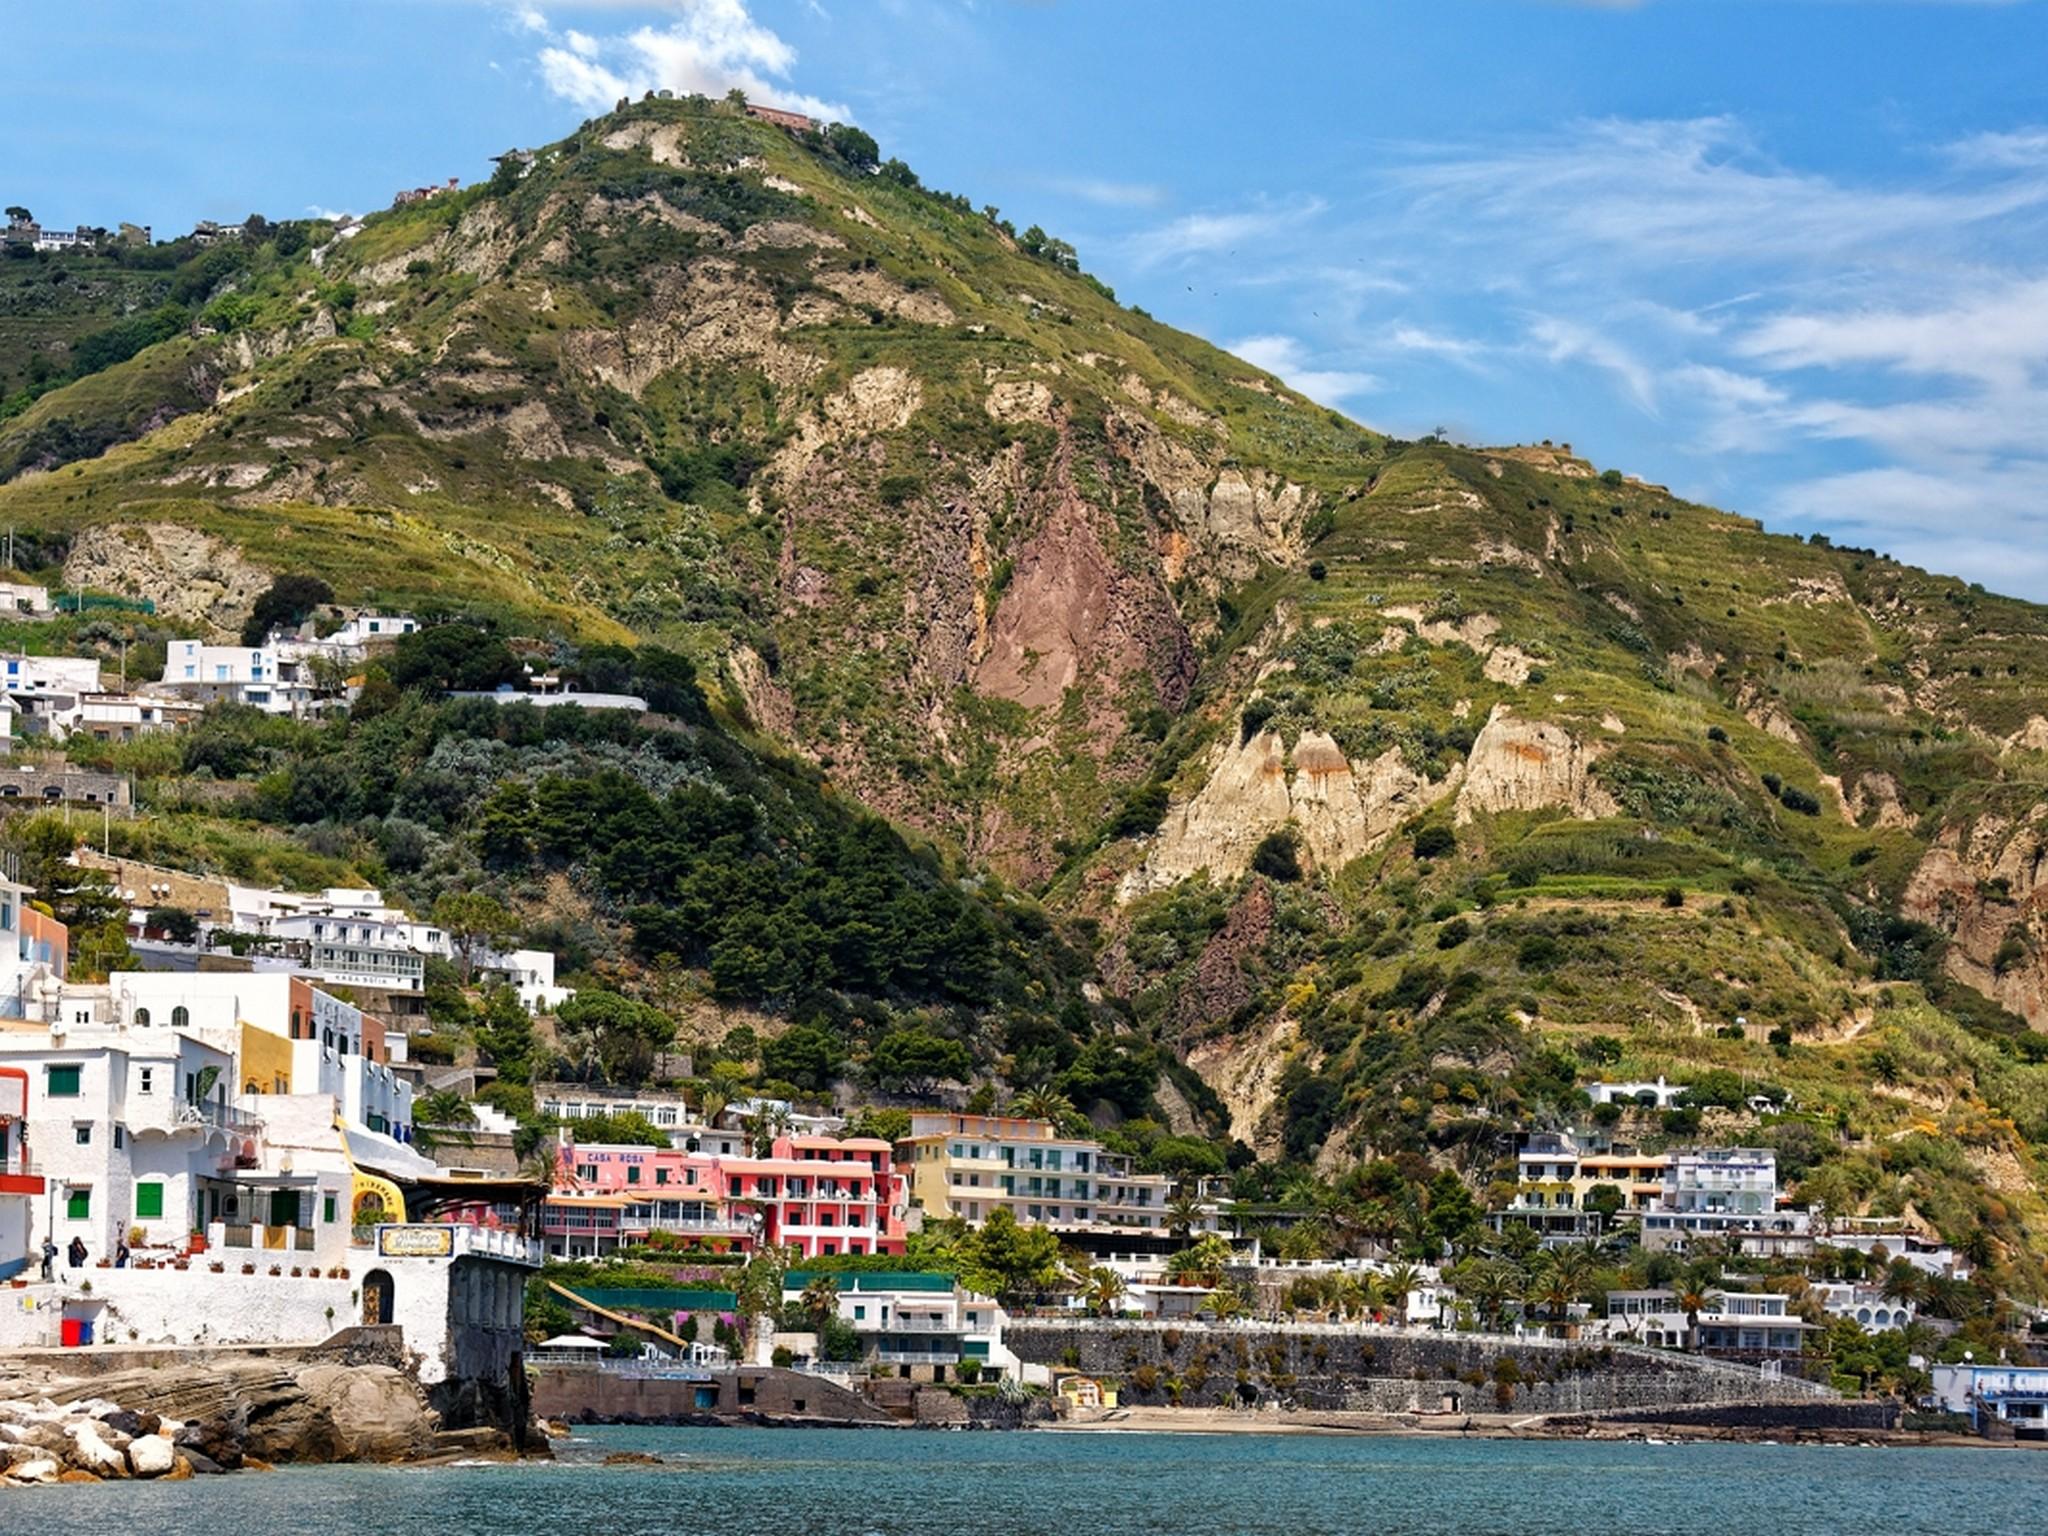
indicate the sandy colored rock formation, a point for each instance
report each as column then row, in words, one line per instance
column 1530, row 765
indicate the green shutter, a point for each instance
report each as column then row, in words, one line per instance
column 78, row 1205
column 149, row 1200
column 64, row 1082
column 327, row 1208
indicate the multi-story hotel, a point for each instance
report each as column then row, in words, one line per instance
column 973, row 1165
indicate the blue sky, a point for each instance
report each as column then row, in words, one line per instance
column 1786, row 256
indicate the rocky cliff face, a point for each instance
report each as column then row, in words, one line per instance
column 1981, row 882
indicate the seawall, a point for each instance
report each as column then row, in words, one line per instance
column 1389, row 1371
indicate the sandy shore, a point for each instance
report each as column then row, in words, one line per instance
column 1475, row 1426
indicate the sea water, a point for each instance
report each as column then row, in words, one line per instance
column 752, row 1482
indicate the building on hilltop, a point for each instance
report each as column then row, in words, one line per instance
column 795, row 122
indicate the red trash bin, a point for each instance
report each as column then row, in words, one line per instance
column 73, row 1332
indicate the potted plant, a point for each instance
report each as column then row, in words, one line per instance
column 248, row 1268
column 217, row 1266
column 104, row 1264
column 85, row 1287
column 297, row 1271
column 19, row 1282
column 341, row 1274
column 276, row 1269
column 198, row 1243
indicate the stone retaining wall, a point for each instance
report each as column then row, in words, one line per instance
column 1386, row 1371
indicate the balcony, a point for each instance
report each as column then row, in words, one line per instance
column 21, row 1178
column 220, row 1117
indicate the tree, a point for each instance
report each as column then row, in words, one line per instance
column 1277, row 857
column 916, row 1060
column 288, row 602
column 806, row 1055
column 1003, row 1257
column 506, row 1036
column 1042, row 1104
column 475, row 922
column 1605, row 1200
column 613, row 1035
column 819, row 1301
column 1183, row 1210
column 443, row 657
column 1452, row 1214
column 1104, row 1290
column 16, row 214
column 438, row 1112
column 1201, row 1262
column 850, row 144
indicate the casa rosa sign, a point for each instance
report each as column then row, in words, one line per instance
column 419, row 1242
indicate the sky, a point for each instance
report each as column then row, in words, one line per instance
column 1784, row 256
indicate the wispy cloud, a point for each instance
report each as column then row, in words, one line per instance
column 709, row 48
column 1110, row 194
column 1200, row 234
column 1289, row 359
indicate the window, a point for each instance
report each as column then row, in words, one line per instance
column 145, row 1081
column 661, row 1175
column 63, row 1082
column 181, row 1016
column 149, row 1201
column 120, row 1137
column 142, row 1017
column 859, row 1313
column 633, row 1175
column 82, row 1133
column 78, row 1203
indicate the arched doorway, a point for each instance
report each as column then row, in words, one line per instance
column 377, row 1298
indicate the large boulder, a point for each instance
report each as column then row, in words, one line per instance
column 42, row 1469
column 92, row 1452
column 132, row 1424
column 151, row 1456
column 213, row 1444
column 344, row 1413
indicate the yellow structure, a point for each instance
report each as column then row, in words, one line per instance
column 266, row 1061
column 971, row 1165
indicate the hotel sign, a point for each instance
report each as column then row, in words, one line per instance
column 430, row 1241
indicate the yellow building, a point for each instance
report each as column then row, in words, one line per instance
column 972, row 1165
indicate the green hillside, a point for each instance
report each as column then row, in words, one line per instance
column 1339, row 797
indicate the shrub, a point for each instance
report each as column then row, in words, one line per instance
column 1715, row 733
column 1277, row 857
column 1793, row 798
column 1434, row 841
column 1453, row 933
column 1674, row 896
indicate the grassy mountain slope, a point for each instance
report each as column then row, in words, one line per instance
column 1393, row 783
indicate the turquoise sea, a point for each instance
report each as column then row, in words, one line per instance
column 748, row 1482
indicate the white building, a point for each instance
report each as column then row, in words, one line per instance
column 1657, row 1095
column 127, row 1128
column 2015, row 1395
column 909, row 1320
column 122, row 716
column 1867, row 1304
column 262, row 676
column 1738, row 1323
column 1729, row 1192
column 23, row 597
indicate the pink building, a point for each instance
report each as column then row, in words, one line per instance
column 820, row 1194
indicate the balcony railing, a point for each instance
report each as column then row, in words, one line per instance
column 221, row 1117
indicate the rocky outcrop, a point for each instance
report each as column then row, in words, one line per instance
column 1342, row 809
column 1984, row 883
column 198, row 1414
column 1072, row 616
column 1530, row 765
column 188, row 574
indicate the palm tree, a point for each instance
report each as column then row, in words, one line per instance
column 1104, row 1290
column 1692, row 1301
column 1184, row 1209
column 1224, row 1303
column 1400, row 1283
column 1042, row 1104
column 436, row 1112
column 1905, row 1282
column 820, row 1300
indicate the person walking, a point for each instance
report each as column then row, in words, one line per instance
column 121, row 1253
column 49, row 1258
column 76, row 1254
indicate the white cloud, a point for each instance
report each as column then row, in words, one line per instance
column 709, row 48
column 1984, row 522
column 316, row 211
column 1997, row 336
column 1566, row 341
column 1416, row 338
column 1111, row 194
column 1199, row 234
column 1285, row 357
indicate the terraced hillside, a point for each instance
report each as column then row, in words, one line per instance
column 1397, row 787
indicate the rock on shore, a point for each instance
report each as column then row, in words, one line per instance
column 211, row 1417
